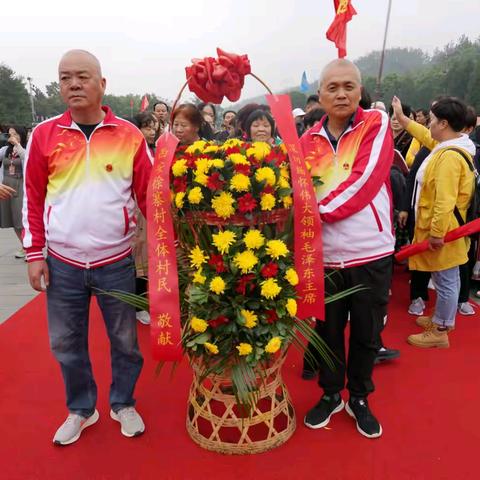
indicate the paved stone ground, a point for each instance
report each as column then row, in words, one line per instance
column 15, row 291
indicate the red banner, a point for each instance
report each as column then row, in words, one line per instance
column 164, row 298
column 308, row 248
column 337, row 32
column 469, row 228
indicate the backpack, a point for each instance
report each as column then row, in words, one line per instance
column 473, row 211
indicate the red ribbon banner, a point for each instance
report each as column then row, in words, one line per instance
column 164, row 298
column 308, row 248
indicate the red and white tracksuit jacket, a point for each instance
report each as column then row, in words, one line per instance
column 79, row 193
column 355, row 198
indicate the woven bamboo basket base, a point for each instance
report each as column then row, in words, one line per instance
column 215, row 422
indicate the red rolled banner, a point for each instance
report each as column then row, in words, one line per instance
column 163, row 293
column 468, row 229
column 308, row 247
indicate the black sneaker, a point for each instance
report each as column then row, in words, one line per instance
column 319, row 415
column 367, row 424
column 386, row 354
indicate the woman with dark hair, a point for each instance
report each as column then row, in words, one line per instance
column 209, row 114
column 401, row 138
column 422, row 117
column 147, row 123
column 11, row 159
column 188, row 124
column 312, row 117
column 260, row 127
column 443, row 192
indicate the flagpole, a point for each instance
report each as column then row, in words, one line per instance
column 378, row 88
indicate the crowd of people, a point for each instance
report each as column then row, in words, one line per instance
column 390, row 177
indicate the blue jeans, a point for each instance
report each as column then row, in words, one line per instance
column 447, row 286
column 68, row 302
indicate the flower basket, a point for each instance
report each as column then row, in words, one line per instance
column 233, row 270
column 217, row 423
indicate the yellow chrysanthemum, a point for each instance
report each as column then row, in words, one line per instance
column 222, row 204
column 240, row 183
column 291, row 307
column 197, row 257
column 251, row 319
column 283, row 148
column 267, row 201
column 270, row 288
column 287, row 202
column 216, row 162
column 254, row 239
column 245, row 261
column 259, row 150
column 217, row 285
column 291, row 276
column 195, row 195
column 267, row 174
column 224, row 240
column 232, row 142
column 211, row 149
column 199, row 145
column 283, row 183
column 179, row 198
column 202, row 165
column 198, row 325
column 201, row 178
column 179, row 168
column 198, row 277
column 238, row 159
column 276, row 249
column 244, row 349
column 284, row 173
column 273, row 345
column 213, row 349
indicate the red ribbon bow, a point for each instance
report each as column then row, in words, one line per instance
column 212, row 79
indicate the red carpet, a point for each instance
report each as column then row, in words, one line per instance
column 428, row 403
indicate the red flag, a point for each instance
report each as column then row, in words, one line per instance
column 144, row 104
column 337, row 32
column 131, row 103
column 468, row 229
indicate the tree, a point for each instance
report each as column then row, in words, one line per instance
column 14, row 99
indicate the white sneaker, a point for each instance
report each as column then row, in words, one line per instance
column 417, row 307
column 143, row 317
column 131, row 422
column 72, row 428
column 20, row 253
column 466, row 308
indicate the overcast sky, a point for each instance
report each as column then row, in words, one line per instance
column 145, row 45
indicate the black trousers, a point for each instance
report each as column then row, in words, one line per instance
column 367, row 309
column 141, row 288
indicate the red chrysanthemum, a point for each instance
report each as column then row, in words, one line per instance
column 268, row 189
column 216, row 322
column 243, row 169
column 216, row 261
column 246, row 203
column 230, row 150
column 214, row 181
column 180, row 184
column 269, row 270
column 272, row 316
column 245, row 285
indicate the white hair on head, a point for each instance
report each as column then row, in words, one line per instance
column 85, row 53
column 339, row 62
